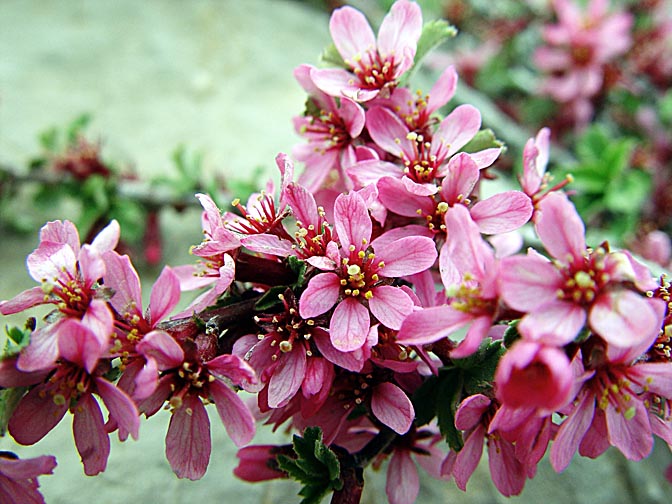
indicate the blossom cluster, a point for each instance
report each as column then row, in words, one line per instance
column 380, row 277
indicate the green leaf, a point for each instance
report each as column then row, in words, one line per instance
column 315, row 465
column 484, row 139
column 511, row 334
column 9, row 399
column 330, row 57
column 434, row 33
column 449, row 394
column 75, row 128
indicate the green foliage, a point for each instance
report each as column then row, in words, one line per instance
column 272, row 296
column 9, row 399
column 439, row 396
column 484, row 139
column 434, row 33
column 330, row 57
column 315, row 465
column 18, row 338
column 609, row 192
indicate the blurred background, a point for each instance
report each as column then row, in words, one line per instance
column 214, row 77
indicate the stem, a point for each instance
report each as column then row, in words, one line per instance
column 259, row 270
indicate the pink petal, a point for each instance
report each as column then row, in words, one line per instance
column 51, row 261
column 63, row 232
column 372, row 170
column 42, row 351
column 161, row 347
column 389, row 132
column 233, row 368
column 403, row 482
column 267, row 244
column 406, row 256
column 121, row 407
column 287, row 377
column 349, row 325
column 475, row 335
column 93, row 443
column 400, row 30
column 318, row 373
column 431, row 324
column 560, row 228
column 352, row 361
column 188, row 441
column 527, row 282
column 91, row 265
column 390, row 305
column 106, row 240
column 632, row 436
column 165, row 296
column 391, row 406
column 351, row 33
column 470, row 411
column 624, row 318
column 123, row 279
column 502, row 212
column 408, row 204
column 461, row 175
column 236, row 417
column 555, row 323
column 458, row 128
column 468, row 457
column 35, row 416
column 320, row 295
column 352, row 221
column 571, row 432
column 508, row 473
column 78, row 344
column 443, row 90
column 26, row 299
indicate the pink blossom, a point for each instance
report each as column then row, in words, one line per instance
column 355, row 282
column 468, row 271
column 417, row 110
column 612, row 407
column 581, row 285
column 534, row 375
column 188, row 379
column 374, row 65
column 216, row 267
column 18, row 478
column 579, row 46
column 69, row 275
column 473, row 417
column 257, row 463
column 71, row 386
column 403, row 481
column 329, row 127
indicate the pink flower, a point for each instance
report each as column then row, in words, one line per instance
column 374, row 65
column 140, row 371
column 287, row 357
column 473, row 417
column 216, row 265
column 581, row 285
column 578, row 48
column 468, row 270
column 18, row 478
column 403, row 481
column 330, row 130
column 615, row 406
column 257, row 463
column 534, row 375
column 356, row 282
column 71, row 386
column 69, row 275
column 415, row 109
column 187, row 380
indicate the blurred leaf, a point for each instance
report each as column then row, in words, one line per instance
column 330, row 57
column 484, row 139
column 434, row 33
column 9, row 399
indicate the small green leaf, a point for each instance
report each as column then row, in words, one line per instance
column 330, row 57
column 9, row 399
column 484, row 139
column 434, row 33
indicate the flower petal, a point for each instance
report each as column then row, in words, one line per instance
column 188, row 443
column 237, row 419
column 391, row 406
column 93, row 443
column 349, row 325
